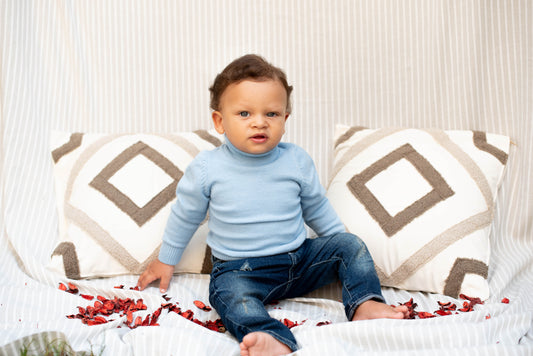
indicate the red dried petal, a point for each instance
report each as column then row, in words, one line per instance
column 442, row 312
column 72, row 288
column 211, row 325
column 201, row 305
column 87, row 296
column 138, row 321
column 140, row 305
column 109, row 305
column 505, row 300
column 411, row 305
column 155, row 317
column 425, row 315
column 119, row 287
column 446, row 308
column 175, row 309
column 288, row 323
column 157, row 313
column 100, row 320
column 129, row 316
column 90, row 311
column 188, row 314
column 62, row 287
column 473, row 301
column 221, row 327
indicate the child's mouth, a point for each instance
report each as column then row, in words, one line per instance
column 260, row 138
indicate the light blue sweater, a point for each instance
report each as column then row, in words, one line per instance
column 257, row 203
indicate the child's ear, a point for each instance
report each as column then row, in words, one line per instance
column 217, row 121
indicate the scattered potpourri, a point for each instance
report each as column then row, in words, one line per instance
column 291, row 324
column 70, row 288
column 445, row 308
column 96, row 314
column 102, row 307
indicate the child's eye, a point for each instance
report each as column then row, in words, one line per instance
column 272, row 114
column 244, row 114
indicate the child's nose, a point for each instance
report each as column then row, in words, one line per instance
column 260, row 121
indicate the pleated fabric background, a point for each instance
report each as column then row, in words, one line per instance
column 145, row 66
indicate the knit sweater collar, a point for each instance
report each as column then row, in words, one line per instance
column 259, row 159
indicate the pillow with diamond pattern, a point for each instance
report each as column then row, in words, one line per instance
column 423, row 202
column 114, row 194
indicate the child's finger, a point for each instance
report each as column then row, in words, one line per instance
column 144, row 280
column 163, row 283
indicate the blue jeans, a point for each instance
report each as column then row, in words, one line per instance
column 240, row 289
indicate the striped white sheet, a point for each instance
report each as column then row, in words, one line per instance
column 137, row 66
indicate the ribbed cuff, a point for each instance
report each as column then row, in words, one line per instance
column 169, row 254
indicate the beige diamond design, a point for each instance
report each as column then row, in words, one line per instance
column 139, row 214
column 392, row 224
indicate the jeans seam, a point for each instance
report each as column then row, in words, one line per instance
column 282, row 286
column 291, row 278
column 326, row 261
column 343, row 286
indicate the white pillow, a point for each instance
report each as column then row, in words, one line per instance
column 114, row 194
column 423, row 202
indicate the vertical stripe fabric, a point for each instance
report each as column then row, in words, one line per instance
column 117, row 66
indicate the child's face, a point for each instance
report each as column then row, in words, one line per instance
column 252, row 115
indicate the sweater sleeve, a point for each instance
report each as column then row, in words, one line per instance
column 187, row 212
column 317, row 210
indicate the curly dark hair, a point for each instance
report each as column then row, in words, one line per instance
column 252, row 67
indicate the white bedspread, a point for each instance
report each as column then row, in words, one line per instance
column 136, row 66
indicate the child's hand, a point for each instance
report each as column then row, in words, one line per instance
column 156, row 270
